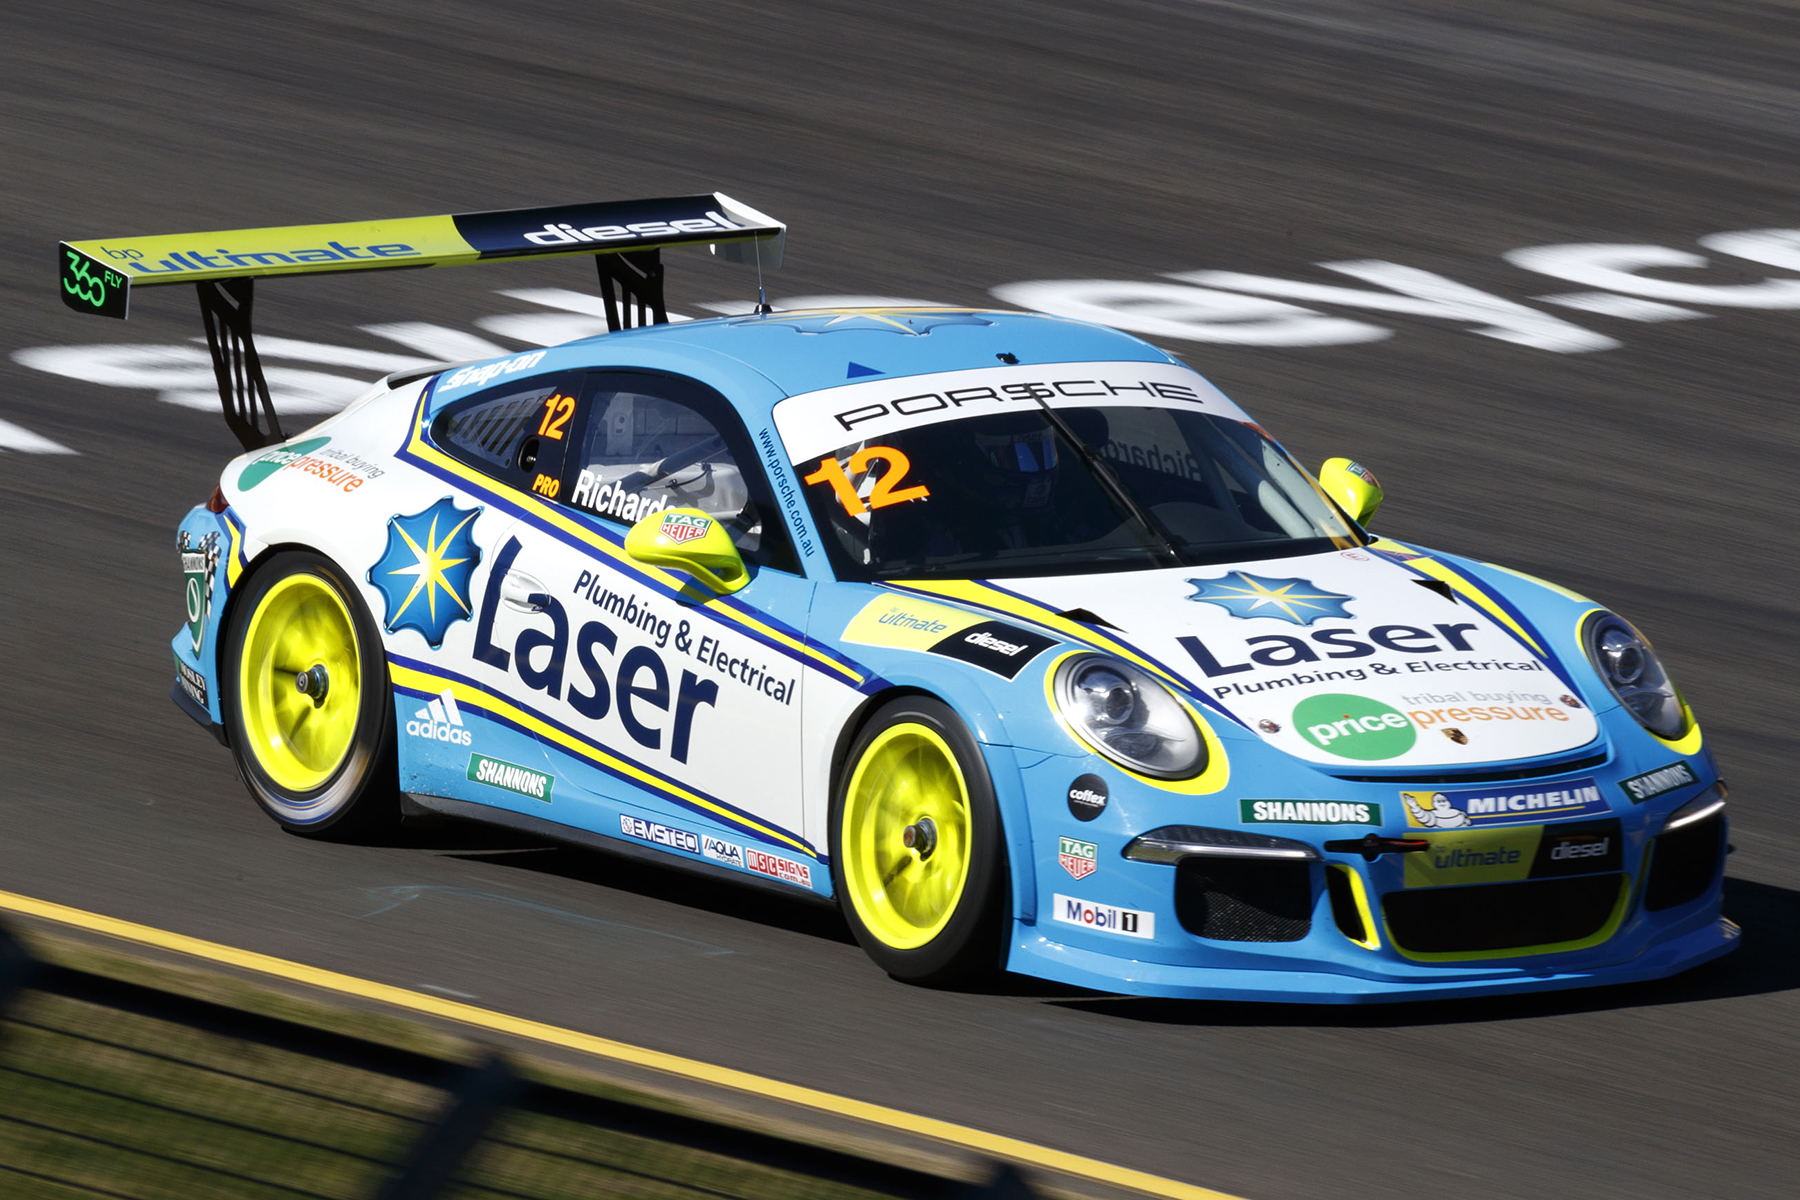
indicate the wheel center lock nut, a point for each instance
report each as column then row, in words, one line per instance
column 314, row 683
column 921, row 836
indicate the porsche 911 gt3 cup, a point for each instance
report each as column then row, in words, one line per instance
column 1010, row 634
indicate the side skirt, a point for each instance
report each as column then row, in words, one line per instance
column 421, row 803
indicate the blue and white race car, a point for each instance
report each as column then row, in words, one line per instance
column 1009, row 633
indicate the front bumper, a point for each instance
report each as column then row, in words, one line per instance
column 1344, row 927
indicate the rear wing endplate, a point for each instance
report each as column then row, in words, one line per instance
column 625, row 236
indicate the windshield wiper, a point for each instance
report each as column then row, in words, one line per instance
column 1101, row 471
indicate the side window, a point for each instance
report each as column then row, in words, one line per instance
column 659, row 441
column 518, row 433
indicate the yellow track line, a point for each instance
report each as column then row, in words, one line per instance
column 995, row 1145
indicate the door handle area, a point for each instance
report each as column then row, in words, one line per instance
column 522, row 593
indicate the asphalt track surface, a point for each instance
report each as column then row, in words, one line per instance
column 938, row 150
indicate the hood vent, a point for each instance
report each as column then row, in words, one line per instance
column 1537, row 771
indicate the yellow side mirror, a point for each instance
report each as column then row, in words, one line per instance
column 1353, row 486
column 692, row 541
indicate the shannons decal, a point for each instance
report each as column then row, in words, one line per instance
column 511, row 777
column 1659, row 782
column 1309, row 812
column 424, row 575
column 1474, row 809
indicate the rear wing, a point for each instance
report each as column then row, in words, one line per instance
column 625, row 236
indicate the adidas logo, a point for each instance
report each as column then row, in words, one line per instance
column 440, row 721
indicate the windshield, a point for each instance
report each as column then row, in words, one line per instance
column 1009, row 493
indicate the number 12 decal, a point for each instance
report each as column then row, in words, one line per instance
column 557, row 411
column 885, row 491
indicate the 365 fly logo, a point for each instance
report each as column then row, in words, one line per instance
column 199, row 567
column 90, row 286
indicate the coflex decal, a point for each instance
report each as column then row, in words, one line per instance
column 199, row 567
column 1475, row 809
column 424, row 575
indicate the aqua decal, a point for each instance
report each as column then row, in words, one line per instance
column 1295, row 601
column 424, row 575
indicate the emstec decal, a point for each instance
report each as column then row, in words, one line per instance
column 658, row 835
column 903, row 623
column 1080, row 859
column 1125, row 922
column 1504, row 805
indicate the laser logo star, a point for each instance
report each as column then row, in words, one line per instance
column 424, row 576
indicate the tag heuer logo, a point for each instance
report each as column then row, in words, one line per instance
column 683, row 527
column 1077, row 858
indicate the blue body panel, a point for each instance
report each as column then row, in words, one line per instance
column 1031, row 756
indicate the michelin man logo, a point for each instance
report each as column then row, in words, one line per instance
column 1436, row 811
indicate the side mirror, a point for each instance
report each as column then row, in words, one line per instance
column 1353, row 486
column 690, row 540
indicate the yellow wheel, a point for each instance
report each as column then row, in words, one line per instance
column 308, row 712
column 300, row 682
column 917, row 845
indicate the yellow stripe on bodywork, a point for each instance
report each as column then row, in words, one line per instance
column 1468, row 591
column 556, row 516
column 1555, row 587
column 981, row 594
column 485, row 701
column 308, row 249
column 1593, row 939
column 234, row 561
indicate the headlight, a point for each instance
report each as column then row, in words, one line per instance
column 1633, row 672
column 1129, row 717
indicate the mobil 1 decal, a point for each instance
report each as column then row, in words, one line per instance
column 904, row 623
column 624, row 672
column 1348, row 657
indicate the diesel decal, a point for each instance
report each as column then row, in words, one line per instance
column 1659, row 782
column 510, row 777
column 994, row 646
column 1308, row 812
column 638, row 689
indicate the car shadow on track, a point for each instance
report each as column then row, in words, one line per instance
column 663, row 883
column 1767, row 961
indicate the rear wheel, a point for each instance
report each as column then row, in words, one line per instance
column 917, row 857
column 307, row 704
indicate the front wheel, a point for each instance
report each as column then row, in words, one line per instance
column 307, row 705
column 917, row 857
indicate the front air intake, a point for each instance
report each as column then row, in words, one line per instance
column 1244, row 899
column 1684, row 863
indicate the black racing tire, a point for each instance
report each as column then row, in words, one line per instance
column 323, row 768
column 915, row 759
